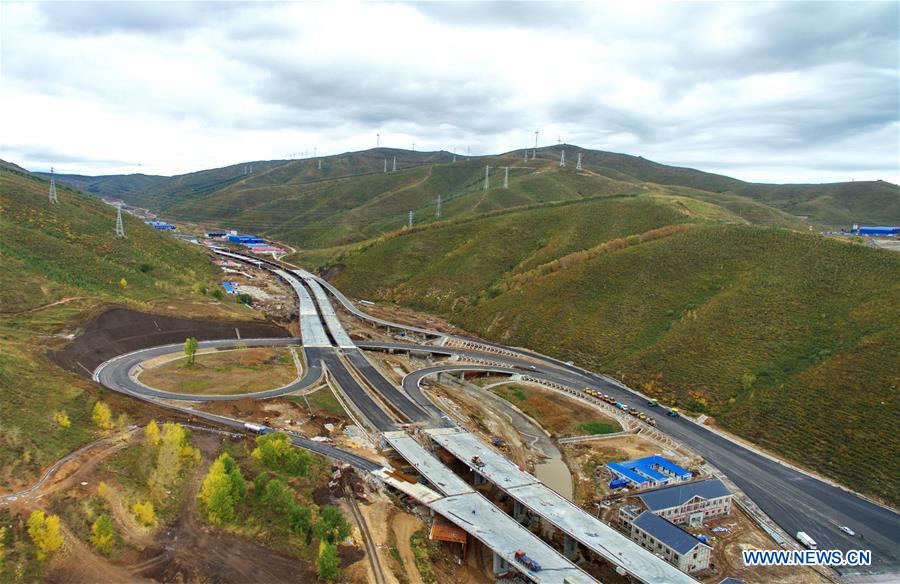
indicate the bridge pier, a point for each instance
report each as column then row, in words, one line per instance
column 520, row 513
column 570, row 547
column 500, row 565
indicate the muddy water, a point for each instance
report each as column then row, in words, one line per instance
column 554, row 473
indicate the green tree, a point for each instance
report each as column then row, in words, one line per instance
column 103, row 534
column 300, row 519
column 245, row 298
column 102, row 417
column 222, row 487
column 328, row 564
column 44, row 532
column 276, row 452
column 190, row 349
column 331, row 526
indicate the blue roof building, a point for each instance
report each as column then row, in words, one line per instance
column 693, row 502
column 651, row 471
column 871, row 230
column 665, row 539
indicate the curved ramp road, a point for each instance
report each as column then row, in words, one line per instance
column 116, row 373
column 792, row 498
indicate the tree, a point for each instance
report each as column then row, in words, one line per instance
column 328, row 564
column 190, row 349
column 331, row 526
column 151, row 433
column 276, row 452
column 123, row 283
column 102, row 417
column 245, row 298
column 2, row 547
column 44, row 532
column 144, row 513
column 103, row 490
column 62, row 419
column 222, row 487
column 173, row 450
column 103, row 534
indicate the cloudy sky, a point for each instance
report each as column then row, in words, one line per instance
column 778, row 92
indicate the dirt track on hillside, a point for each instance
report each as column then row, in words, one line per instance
column 121, row 330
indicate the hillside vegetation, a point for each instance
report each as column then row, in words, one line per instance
column 786, row 338
column 351, row 199
column 60, row 264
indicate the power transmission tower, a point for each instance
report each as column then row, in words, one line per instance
column 534, row 154
column 377, row 140
column 578, row 164
column 120, row 227
column 414, row 146
column 487, row 177
column 562, row 157
column 409, row 221
column 320, row 164
column 385, row 164
column 251, row 168
column 526, row 155
column 437, row 210
column 395, row 164
column 53, row 197
column 506, row 177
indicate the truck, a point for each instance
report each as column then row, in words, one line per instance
column 529, row 563
column 806, row 540
column 257, row 428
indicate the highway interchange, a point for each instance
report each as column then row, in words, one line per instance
column 793, row 499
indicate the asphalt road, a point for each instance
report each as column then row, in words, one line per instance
column 793, row 499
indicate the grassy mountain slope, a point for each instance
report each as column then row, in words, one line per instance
column 60, row 264
column 787, row 338
column 124, row 187
column 351, row 199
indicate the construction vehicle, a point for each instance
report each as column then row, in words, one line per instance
column 529, row 563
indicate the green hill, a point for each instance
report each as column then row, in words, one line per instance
column 60, row 264
column 786, row 338
column 350, row 198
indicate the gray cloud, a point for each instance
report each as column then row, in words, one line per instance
column 725, row 86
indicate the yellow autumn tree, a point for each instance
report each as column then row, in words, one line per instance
column 44, row 532
column 123, row 283
column 102, row 417
column 144, row 513
column 151, row 432
column 103, row 490
column 103, row 534
column 62, row 419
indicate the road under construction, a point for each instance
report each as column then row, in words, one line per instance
column 404, row 419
